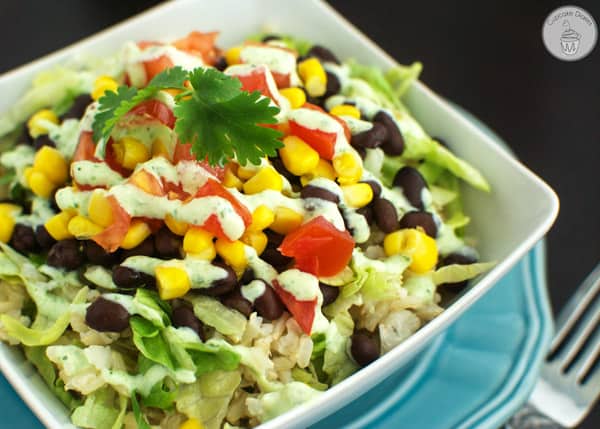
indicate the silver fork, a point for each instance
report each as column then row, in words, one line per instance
column 569, row 382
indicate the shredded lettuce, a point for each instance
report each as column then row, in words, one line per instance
column 457, row 273
column 100, row 410
column 150, row 342
column 336, row 362
column 299, row 45
column 270, row 405
column 420, row 286
column 137, row 412
column 225, row 320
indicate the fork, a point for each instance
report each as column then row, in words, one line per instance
column 569, row 382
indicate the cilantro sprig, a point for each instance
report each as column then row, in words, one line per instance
column 212, row 112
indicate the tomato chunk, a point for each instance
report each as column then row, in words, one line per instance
column 86, row 147
column 155, row 109
column 200, row 44
column 111, row 238
column 256, row 81
column 183, row 152
column 319, row 247
column 303, row 311
column 157, row 65
column 321, row 141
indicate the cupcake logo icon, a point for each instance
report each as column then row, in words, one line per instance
column 569, row 39
column 569, row 33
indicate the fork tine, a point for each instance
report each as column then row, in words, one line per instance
column 574, row 309
column 580, row 336
column 588, row 361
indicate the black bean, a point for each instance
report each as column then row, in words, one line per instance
column 364, row 348
column 247, row 277
column 370, row 138
column 107, row 316
column 53, row 203
column 44, row 240
column 97, row 255
column 221, row 63
column 66, row 254
column 367, row 212
column 317, row 192
column 26, row 137
column 333, row 85
column 269, row 37
column 277, row 164
column 375, row 187
column 184, row 317
column 394, row 144
column 23, row 239
column 224, row 285
column 274, row 238
column 362, row 152
column 78, row 107
column 128, row 278
column 268, row 305
column 145, row 248
column 420, row 218
column 236, row 301
column 167, row 244
column 323, row 54
column 330, row 293
column 274, row 257
column 385, row 215
column 412, row 184
column 43, row 140
column 460, row 259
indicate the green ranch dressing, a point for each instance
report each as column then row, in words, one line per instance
column 262, row 270
column 94, row 174
column 18, row 159
column 253, row 290
column 40, row 213
column 276, row 59
column 65, row 136
column 70, row 198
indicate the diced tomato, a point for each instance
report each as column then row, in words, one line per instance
column 155, row 109
column 86, row 147
column 111, row 238
column 340, row 121
column 282, row 80
column 157, row 65
column 201, row 44
column 303, row 311
column 212, row 224
column 256, row 81
column 321, row 141
column 147, row 182
column 183, row 152
column 319, row 247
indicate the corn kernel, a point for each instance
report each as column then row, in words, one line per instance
column 192, row 424
column 297, row 156
column 130, row 152
column 81, row 227
column 138, row 231
column 27, row 174
column 50, row 162
column 103, row 84
column 176, row 226
column 324, row 169
column 171, row 282
column 246, row 172
column 40, row 185
column 345, row 110
column 295, row 96
column 286, row 220
column 262, row 218
column 357, row 195
column 314, row 77
column 11, row 210
column 57, row 225
column 257, row 239
column 37, row 129
column 197, row 241
column 7, row 226
column 230, row 180
column 266, row 178
column 348, row 167
column 159, row 149
column 233, row 253
column 232, row 55
column 99, row 209
column 421, row 248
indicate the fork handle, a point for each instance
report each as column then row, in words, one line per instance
column 529, row 417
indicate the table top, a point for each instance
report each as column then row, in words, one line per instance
column 488, row 57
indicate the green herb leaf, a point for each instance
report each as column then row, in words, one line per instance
column 137, row 412
column 221, row 121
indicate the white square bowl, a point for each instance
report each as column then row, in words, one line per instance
column 507, row 222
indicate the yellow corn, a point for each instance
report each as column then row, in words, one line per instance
column 348, row 167
column 262, row 218
column 414, row 243
column 232, row 55
column 36, row 129
column 129, row 152
column 103, row 84
column 257, row 239
column 297, row 156
column 357, row 195
column 314, row 77
column 191, row 424
column 286, row 220
column 345, row 110
column 295, row 96
column 159, row 149
column 246, row 172
column 171, row 282
column 230, row 180
column 82, row 227
column 266, row 178
column 7, row 226
column 50, row 162
column 324, row 169
column 57, row 225
column 27, row 174
column 40, row 184
column 138, row 231
column 100, row 210
column 199, row 242
column 233, row 253
column 9, row 209
column 176, row 226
